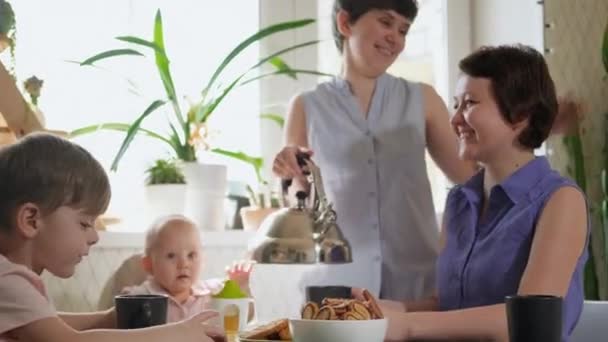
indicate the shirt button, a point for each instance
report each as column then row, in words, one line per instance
column 371, row 194
column 368, row 133
column 377, row 258
column 374, row 226
column 370, row 161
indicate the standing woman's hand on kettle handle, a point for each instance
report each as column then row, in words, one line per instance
column 286, row 164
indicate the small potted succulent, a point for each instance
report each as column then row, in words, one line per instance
column 165, row 189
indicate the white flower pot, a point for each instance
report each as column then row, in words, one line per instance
column 253, row 217
column 165, row 199
column 206, row 194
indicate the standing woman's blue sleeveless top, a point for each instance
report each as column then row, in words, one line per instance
column 374, row 172
column 482, row 262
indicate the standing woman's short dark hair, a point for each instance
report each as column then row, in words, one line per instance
column 357, row 8
column 521, row 85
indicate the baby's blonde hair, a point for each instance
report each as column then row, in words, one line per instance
column 162, row 223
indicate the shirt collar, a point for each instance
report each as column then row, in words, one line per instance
column 516, row 187
column 343, row 85
column 473, row 188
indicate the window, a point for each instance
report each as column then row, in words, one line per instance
column 198, row 36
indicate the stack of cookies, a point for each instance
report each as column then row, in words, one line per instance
column 343, row 309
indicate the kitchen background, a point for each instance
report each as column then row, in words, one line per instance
column 569, row 32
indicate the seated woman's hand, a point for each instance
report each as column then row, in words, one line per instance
column 391, row 305
column 384, row 304
column 198, row 328
column 394, row 312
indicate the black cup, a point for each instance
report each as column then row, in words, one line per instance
column 534, row 318
column 317, row 293
column 140, row 311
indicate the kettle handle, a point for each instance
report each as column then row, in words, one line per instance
column 303, row 158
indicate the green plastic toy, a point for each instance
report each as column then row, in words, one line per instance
column 231, row 290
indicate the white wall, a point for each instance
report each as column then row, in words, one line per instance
column 459, row 43
column 506, row 22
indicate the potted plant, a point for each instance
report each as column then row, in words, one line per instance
column 568, row 123
column 7, row 29
column 165, row 189
column 206, row 183
column 262, row 204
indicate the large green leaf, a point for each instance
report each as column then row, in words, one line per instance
column 273, row 57
column 590, row 278
column 7, row 17
column 115, row 126
column 205, row 110
column 252, row 39
column 162, row 64
column 255, row 162
column 281, row 72
column 605, row 49
column 132, row 131
column 280, row 65
column 109, row 54
column 142, row 42
column 274, row 117
column 574, row 147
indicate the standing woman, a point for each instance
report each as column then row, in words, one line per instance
column 369, row 132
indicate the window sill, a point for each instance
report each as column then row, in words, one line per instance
column 228, row 238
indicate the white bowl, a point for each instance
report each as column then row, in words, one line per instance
column 307, row 330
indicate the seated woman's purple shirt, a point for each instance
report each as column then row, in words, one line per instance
column 484, row 259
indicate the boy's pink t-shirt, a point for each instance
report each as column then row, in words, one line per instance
column 199, row 300
column 23, row 298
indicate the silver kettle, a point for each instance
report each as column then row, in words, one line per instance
column 302, row 235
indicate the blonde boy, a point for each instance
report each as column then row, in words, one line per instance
column 51, row 192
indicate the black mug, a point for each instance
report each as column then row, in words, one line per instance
column 140, row 311
column 317, row 293
column 534, row 318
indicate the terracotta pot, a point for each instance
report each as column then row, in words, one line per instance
column 253, row 216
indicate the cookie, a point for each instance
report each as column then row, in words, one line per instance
column 326, row 313
column 361, row 310
column 310, row 310
column 372, row 305
column 267, row 331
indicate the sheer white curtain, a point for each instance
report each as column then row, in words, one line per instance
column 198, row 35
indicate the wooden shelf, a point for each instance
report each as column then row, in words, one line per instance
column 6, row 136
column 16, row 113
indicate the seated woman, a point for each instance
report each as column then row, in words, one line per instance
column 517, row 227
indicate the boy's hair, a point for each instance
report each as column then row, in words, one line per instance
column 50, row 172
column 357, row 8
column 158, row 225
column 521, row 85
